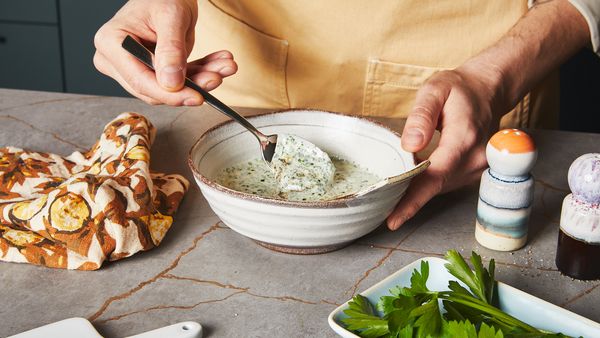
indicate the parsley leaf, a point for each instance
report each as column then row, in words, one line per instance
column 459, row 329
column 418, row 280
column 397, row 312
column 363, row 318
column 479, row 282
column 489, row 332
column 464, row 329
column 406, row 332
column 429, row 319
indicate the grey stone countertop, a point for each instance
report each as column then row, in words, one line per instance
column 205, row 272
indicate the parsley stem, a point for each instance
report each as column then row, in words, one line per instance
column 489, row 309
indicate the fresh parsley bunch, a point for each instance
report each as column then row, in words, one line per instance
column 414, row 312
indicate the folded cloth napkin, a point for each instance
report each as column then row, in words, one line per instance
column 77, row 211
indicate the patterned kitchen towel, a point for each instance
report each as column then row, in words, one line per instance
column 77, row 211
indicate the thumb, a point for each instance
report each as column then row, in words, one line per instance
column 171, row 52
column 423, row 119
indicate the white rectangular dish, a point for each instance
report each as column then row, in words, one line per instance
column 82, row 328
column 530, row 309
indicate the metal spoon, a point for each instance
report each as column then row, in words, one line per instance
column 267, row 142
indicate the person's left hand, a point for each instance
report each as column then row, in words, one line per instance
column 463, row 104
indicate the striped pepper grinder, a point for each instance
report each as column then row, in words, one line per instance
column 506, row 191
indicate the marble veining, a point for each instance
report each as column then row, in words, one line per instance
column 205, row 272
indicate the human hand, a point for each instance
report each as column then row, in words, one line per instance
column 168, row 25
column 460, row 104
column 466, row 104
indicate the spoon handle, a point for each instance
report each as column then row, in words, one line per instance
column 146, row 57
column 223, row 108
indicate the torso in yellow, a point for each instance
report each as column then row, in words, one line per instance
column 360, row 57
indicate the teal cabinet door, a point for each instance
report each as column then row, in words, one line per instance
column 79, row 21
column 33, row 11
column 30, row 57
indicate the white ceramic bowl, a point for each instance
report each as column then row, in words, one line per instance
column 304, row 227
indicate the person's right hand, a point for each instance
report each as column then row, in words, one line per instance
column 168, row 25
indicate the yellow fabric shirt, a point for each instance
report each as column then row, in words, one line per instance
column 354, row 56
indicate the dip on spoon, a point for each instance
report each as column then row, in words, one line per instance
column 300, row 165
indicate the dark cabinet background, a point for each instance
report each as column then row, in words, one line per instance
column 579, row 93
column 48, row 45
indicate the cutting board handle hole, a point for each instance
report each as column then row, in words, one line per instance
column 185, row 327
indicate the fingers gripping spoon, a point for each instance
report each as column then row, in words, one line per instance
column 267, row 142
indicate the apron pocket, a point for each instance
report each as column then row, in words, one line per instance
column 390, row 88
column 261, row 78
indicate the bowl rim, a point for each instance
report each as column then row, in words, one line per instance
column 333, row 203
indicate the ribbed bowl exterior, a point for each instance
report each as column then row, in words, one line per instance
column 308, row 227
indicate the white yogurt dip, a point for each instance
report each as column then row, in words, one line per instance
column 300, row 165
column 255, row 177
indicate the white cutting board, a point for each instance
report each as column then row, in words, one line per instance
column 82, row 328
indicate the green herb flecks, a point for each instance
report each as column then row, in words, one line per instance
column 255, row 177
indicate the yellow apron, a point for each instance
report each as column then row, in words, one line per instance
column 357, row 57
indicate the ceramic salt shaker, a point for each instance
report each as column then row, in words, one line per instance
column 579, row 235
column 506, row 191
